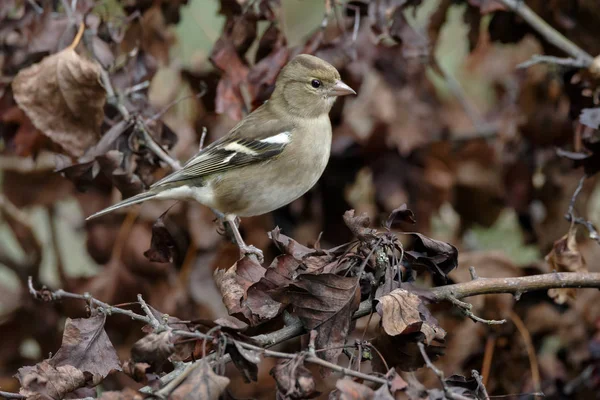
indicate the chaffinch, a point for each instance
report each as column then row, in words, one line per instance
column 269, row 159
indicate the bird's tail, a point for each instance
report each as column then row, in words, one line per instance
column 138, row 198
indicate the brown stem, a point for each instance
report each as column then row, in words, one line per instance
column 516, row 286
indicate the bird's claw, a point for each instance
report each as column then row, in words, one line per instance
column 251, row 250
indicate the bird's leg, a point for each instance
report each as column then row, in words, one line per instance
column 244, row 248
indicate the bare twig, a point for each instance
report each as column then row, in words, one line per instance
column 480, row 385
column 533, row 363
column 156, row 148
column 570, row 215
column 465, row 308
column 101, row 306
column 541, row 59
column 439, row 374
column 548, row 32
column 11, row 395
column 153, row 321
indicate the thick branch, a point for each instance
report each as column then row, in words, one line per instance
column 517, row 285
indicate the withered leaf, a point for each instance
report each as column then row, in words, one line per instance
column 163, row 248
column 438, row 257
column 201, row 384
column 565, row 257
column 294, row 380
column 63, row 97
column 400, row 312
column 402, row 351
column 234, row 284
column 86, row 346
column 318, row 298
column 326, row 303
column 245, row 360
column 359, row 225
column 350, row 390
column 154, row 349
column 45, row 381
column 400, row 214
column 125, row 394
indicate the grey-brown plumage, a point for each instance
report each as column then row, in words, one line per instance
column 271, row 157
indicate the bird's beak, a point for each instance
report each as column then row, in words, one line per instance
column 341, row 89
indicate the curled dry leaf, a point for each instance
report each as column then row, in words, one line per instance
column 234, row 284
column 154, row 349
column 202, row 384
column 565, row 257
column 86, row 346
column 163, row 248
column 359, row 225
column 294, row 380
column 400, row 312
column 437, row 257
column 325, row 303
column 63, row 97
column 125, row 394
column 45, row 381
column 245, row 360
column 347, row 389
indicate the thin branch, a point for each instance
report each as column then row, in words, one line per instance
column 533, row 362
column 570, row 215
column 102, row 307
column 548, row 32
column 541, row 59
column 516, row 286
column 439, row 374
column 153, row 321
column 11, row 395
column 465, row 308
column 156, row 148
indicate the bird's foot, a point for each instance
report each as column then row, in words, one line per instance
column 251, row 250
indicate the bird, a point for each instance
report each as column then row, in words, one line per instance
column 272, row 157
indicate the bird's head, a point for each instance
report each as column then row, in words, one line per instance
column 308, row 86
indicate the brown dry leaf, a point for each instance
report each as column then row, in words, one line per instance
column 294, row 380
column 350, row 390
column 565, row 257
column 87, row 347
column 201, row 384
column 44, row 381
column 400, row 312
column 64, row 99
column 19, row 133
column 154, row 349
column 234, row 283
column 325, row 303
column 125, row 394
column 229, row 98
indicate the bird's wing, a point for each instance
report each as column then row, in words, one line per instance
column 245, row 144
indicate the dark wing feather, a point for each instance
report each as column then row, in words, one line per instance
column 237, row 149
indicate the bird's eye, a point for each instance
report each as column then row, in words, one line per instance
column 315, row 83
